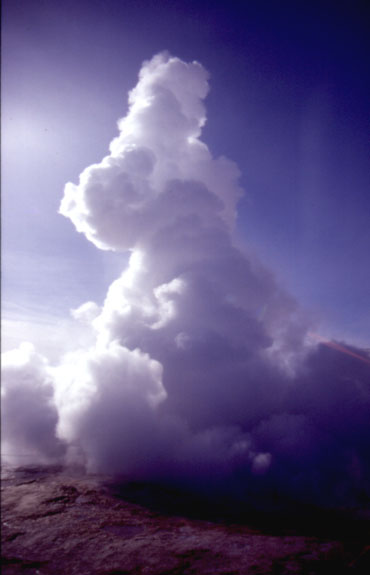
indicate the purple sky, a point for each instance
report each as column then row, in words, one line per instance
column 288, row 103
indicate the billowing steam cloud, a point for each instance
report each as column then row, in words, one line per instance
column 202, row 372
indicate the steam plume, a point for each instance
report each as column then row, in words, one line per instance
column 202, row 372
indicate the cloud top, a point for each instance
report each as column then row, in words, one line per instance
column 145, row 181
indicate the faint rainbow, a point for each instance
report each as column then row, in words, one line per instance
column 338, row 347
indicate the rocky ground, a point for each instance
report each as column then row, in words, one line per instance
column 56, row 522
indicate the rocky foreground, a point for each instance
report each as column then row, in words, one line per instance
column 56, row 522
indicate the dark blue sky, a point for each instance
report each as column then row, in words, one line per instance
column 288, row 102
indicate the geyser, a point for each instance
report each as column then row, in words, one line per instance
column 202, row 373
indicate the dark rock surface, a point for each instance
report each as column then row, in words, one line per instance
column 58, row 522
